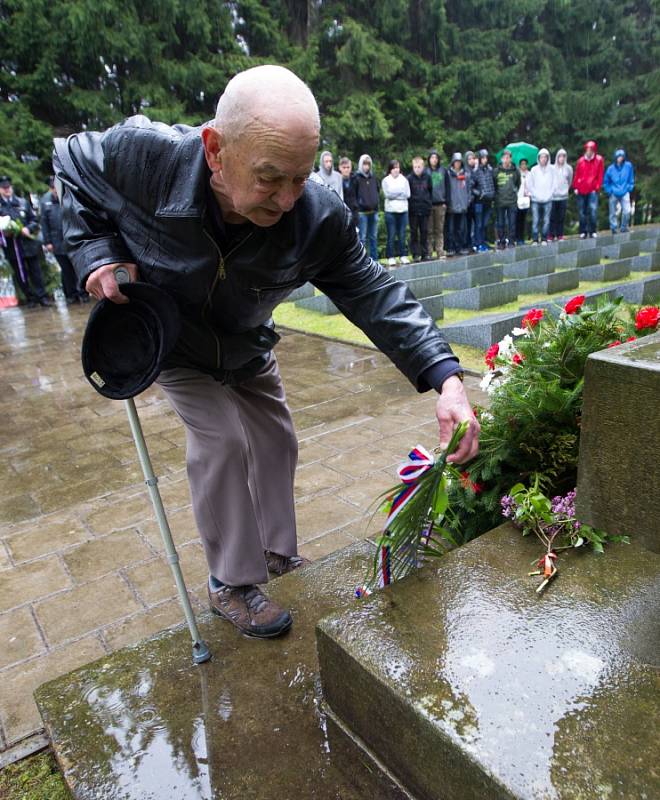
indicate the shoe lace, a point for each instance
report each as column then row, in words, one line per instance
column 255, row 599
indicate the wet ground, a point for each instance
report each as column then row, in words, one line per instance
column 81, row 567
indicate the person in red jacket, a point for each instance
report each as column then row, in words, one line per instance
column 587, row 180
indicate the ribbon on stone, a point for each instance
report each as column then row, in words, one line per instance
column 419, row 461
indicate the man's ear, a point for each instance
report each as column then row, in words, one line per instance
column 213, row 146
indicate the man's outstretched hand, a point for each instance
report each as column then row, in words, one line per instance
column 103, row 283
column 452, row 408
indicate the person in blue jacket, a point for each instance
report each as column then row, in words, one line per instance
column 618, row 184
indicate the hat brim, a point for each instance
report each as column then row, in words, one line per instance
column 125, row 344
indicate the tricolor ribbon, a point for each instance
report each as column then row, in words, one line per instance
column 19, row 255
column 419, row 461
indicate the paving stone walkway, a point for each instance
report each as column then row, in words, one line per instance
column 81, row 565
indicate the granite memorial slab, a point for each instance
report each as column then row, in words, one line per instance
column 483, row 331
column 531, row 267
column 620, row 250
column 583, row 257
column 646, row 262
column 478, row 297
column 425, row 287
column 319, row 302
column 473, row 277
column 645, row 290
column 610, row 271
column 434, row 305
column 306, row 290
column 469, row 685
column 620, row 428
column 551, row 282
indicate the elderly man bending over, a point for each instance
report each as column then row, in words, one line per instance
column 223, row 218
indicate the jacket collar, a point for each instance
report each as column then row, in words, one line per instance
column 186, row 176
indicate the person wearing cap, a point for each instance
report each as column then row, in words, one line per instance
column 22, row 250
column 483, row 194
column 587, row 182
column 223, row 219
column 53, row 239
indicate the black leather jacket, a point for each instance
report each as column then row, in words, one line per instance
column 138, row 193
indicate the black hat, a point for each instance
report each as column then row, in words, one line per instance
column 125, row 343
column 5, row 181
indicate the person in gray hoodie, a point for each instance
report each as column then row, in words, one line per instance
column 540, row 187
column 563, row 180
column 327, row 174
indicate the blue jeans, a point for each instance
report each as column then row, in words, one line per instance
column 506, row 223
column 587, row 210
column 557, row 217
column 540, row 211
column 625, row 212
column 396, row 224
column 482, row 212
column 457, row 232
column 368, row 227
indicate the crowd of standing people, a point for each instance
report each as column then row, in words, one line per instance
column 446, row 210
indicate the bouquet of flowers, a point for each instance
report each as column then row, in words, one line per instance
column 554, row 523
column 10, row 226
column 416, row 510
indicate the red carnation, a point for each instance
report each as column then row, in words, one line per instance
column 518, row 359
column 647, row 318
column 532, row 317
column 575, row 304
column 614, row 344
column 631, row 339
column 491, row 354
column 467, row 483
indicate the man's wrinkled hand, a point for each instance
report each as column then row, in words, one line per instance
column 452, row 408
column 102, row 283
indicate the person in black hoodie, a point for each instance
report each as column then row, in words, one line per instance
column 367, row 187
column 350, row 188
column 419, row 208
column 438, row 211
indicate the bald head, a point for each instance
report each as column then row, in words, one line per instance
column 264, row 98
column 262, row 144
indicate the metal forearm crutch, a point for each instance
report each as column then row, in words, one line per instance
column 200, row 651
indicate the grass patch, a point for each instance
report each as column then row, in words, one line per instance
column 34, row 778
column 336, row 326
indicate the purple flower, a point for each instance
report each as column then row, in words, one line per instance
column 508, row 506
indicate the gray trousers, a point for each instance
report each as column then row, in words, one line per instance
column 241, row 455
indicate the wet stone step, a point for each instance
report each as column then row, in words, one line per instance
column 471, row 687
column 144, row 724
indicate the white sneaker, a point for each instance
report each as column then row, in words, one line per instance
column 405, row 260
column 544, row 243
column 535, row 244
column 594, row 235
column 583, row 236
column 391, row 262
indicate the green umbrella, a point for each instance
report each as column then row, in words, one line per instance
column 520, row 150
